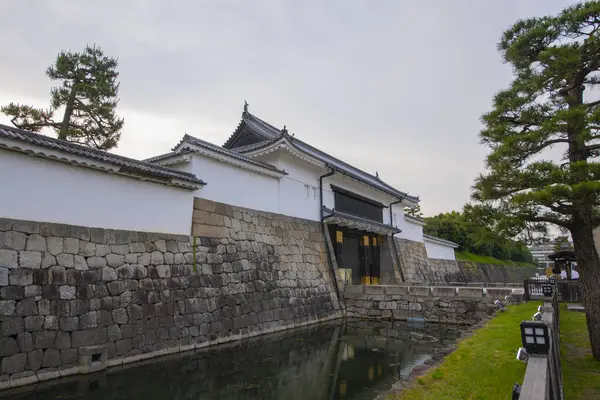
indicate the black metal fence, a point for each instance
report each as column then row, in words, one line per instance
column 543, row 377
column 566, row 290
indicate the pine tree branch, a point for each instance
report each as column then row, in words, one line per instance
column 549, row 219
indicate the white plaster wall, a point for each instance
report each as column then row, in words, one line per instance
column 410, row 230
column 299, row 190
column 36, row 189
column 439, row 251
column 229, row 184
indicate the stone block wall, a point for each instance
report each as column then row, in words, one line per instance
column 418, row 268
column 78, row 299
column 450, row 305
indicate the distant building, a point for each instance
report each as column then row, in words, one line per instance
column 540, row 253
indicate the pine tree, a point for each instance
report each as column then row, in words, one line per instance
column 550, row 103
column 88, row 96
column 414, row 211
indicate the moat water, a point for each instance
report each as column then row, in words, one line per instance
column 355, row 360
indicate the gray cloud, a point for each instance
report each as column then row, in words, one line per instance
column 391, row 86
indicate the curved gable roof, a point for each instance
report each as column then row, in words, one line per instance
column 272, row 135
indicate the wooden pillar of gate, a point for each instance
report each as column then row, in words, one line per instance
column 375, row 262
column 365, row 274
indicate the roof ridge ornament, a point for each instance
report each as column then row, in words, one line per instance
column 245, row 108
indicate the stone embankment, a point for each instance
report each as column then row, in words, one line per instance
column 79, row 299
column 446, row 304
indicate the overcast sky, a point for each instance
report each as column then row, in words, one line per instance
column 394, row 86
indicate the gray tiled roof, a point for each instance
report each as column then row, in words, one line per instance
column 257, row 125
column 269, row 131
column 127, row 165
column 203, row 143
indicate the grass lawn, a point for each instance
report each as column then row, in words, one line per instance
column 581, row 373
column 484, row 366
column 466, row 256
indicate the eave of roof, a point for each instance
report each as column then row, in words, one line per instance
column 23, row 141
column 356, row 222
column 193, row 144
column 268, row 130
column 440, row 241
column 414, row 220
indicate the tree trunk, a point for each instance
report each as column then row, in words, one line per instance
column 63, row 134
column 588, row 263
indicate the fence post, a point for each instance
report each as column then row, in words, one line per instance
column 526, row 291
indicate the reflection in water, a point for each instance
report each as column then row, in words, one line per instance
column 350, row 361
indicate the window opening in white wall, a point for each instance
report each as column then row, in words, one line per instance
column 315, row 193
column 307, row 190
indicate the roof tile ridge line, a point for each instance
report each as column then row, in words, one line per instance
column 235, row 131
column 439, row 239
column 233, row 154
column 158, row 173
column 349, row 165
column 260, row 120
column 166, row 155
column 95, row 152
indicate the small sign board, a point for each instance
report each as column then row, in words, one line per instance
column 547, row 290
column 552, row 280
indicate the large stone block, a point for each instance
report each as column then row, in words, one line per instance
column 9, row 258
column 12, row 326
column 6, row 224
column 51, row 358
column 8, row 347
column 57, row 275
column 65, row 260
column 55, row 245
column 25, row 342
column 420, row 291
column 26, row 307
column 88, row 337
column 115, row 260
column 88, row 320
column 497, row 293
column 63, row 340
column 67, row 292
column 14, row 364
column 443, row 291
column 12, row 240
column 80, row 263
column 7, row 308
column 21, row 277
column 34, row 359
column 210, row 231
column 30, row 259
column 36, row 242
column 3, row 276
column 470, row 292
column 109, row 274
column 44, row 339
column 121, row 249
column 71, row 245
column 34, row 323
column 98, row 235
column 48, row 260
